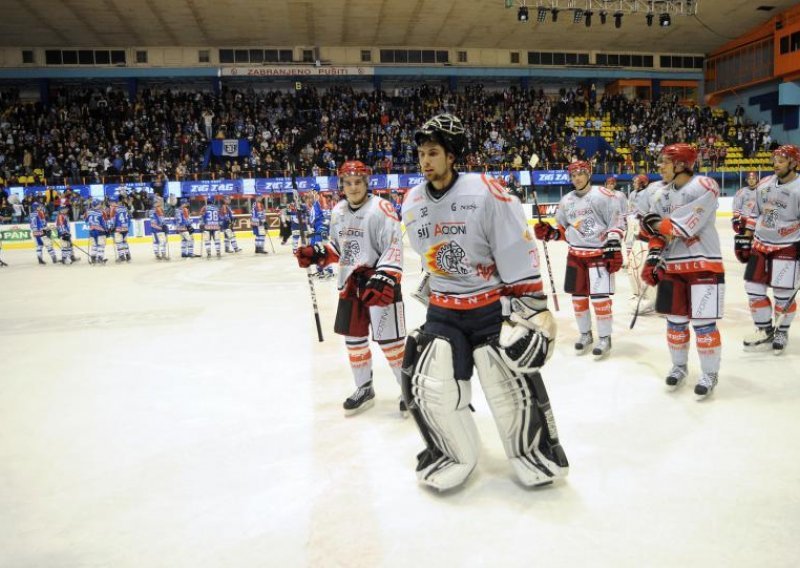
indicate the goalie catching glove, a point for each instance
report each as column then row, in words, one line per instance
column 311, row 254
column 381, row 289
column 526, row 337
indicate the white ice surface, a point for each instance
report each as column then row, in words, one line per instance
column 184, row 414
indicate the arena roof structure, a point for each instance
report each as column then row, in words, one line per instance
column 375, row 23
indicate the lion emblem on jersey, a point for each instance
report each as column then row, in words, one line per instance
column 447, row 259
column 770, row 218
column 350, row 253
column 586, row 226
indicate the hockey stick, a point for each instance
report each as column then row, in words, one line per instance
column 780, row 318
column 546, row 255
column 660, row 264
column 294, row 158
column 266, row 230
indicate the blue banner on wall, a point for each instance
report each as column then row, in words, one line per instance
column 550, row 177
column 40, row 189
column 284, row 184
column 211, row 187
column 114, row 188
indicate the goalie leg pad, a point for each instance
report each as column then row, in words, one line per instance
column 440, row 406
column 521, row 410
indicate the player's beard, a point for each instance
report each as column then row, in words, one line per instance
column 787, row 171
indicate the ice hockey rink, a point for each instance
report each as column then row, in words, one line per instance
column 184, row 414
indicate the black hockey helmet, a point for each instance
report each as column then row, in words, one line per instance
column 444, row 129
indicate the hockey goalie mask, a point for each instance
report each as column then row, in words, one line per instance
column 445, row 130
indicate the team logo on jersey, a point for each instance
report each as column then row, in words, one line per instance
column 446, row 259
column 350, row 254
column 586, row 226
column 454, row 228
column 388, row 209
column 770, row 218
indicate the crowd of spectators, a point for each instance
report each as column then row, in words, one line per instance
column 97, row 135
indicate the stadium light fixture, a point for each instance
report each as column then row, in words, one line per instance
column 664, row 20
column 577, row 17
column 649, row 18
column 587, row 18
column 617, row 20
column 603, row 16
column 541, row 14
column 522, row 14
column 554, row 13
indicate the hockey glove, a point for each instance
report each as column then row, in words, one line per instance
column 738, row 225
column 650, row 225
column 66, row 237
column 381, row 289
column 652, row 272
column 527, row 336
column 190, row 229
column 741, row 247
column 47, row 233
column 546, row 232
column 311, row 254
column 612, row 254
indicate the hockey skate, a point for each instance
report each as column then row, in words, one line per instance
column 361, row 400
column 41, row 260
column 584, row 342
column 705, row 386
column 760, row 338
column 403, row 408
column 779, row 341
column 603, row 348
column 676, row 376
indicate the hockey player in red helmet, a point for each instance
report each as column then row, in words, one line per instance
column 590, row 218
column 770, row 245
column 685, row 262
column 366, row 241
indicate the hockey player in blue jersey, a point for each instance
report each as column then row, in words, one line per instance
column 98, row 231
column 318, row 230
column 226, row 226
column 40, row 233
column 64, row 235
column 183, row 224
column 298, row 220
column 158, row 225
column 210, row 220
column 258, row 219
column 119, row 218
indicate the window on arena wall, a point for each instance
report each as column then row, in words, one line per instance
column 28, row 56
column 366, row 56
column 203, row 56
column 141, row 56
column 514, row 57
column 462, row 57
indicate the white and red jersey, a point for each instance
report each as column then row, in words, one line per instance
column 775, row 216
column 689, row 215
column 367, row 237
column 640, row 203
column 744, row 201
column 589, row 218
column 474, row 242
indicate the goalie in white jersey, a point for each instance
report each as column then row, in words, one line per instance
column 772, row 228
column 366, row 241
column 590, row 218
column 487, row 308
column 685, row 261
